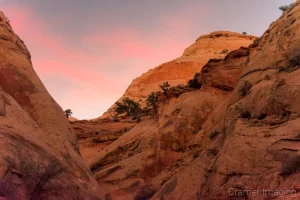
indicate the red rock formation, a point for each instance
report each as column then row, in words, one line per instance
column 215, row 45
column 39, row 152
column 234, row 138
column 154, row 149
column 250, row 141
column 72, row 119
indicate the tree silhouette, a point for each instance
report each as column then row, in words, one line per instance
column 285, row 7
column 39, row 173
column 68, row 113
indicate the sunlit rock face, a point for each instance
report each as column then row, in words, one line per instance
column 236, row 137
column 215, row 45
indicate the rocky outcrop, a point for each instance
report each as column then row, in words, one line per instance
column 250, row 144
column 236, row 137
column 95, row 136
column 215, row 45
column 40, row 158
column 72, row 119
column 153, row 151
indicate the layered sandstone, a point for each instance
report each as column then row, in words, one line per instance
column 181, row 70
column 153, row 151
column 35, row 134
column 72, row 119
column 239, row 132
column 257, row 144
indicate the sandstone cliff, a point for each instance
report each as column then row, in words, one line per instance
column 239, row 132
column 39, row 156
column 153, row 151
column 179, row 71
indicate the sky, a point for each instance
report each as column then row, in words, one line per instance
column 87, row 52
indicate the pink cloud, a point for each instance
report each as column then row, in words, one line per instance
column 32, row 29
column 133, row 45
column 65, row 62
column 76, row 73
column 95, row 80
column 168, row 42
column 123, row 42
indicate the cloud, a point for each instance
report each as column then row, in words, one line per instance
column 88, row 75
column 123, row 42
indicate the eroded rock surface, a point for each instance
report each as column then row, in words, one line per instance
column 179, row 71
column 39, row 157
column 238, row 132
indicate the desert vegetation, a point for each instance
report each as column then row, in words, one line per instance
column 165, row 88
column 256, row 42
column 130, row 108
column 39, row 174
column 152, row 101
column 286, row 7
column 68, row 113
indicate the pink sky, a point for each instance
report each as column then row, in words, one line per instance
column 87, row 64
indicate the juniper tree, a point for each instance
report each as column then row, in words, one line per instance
column 130, row 107
column 152, row 101
column 68, row 113
column 285, row 7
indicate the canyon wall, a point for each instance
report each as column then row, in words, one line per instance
column 39, row 157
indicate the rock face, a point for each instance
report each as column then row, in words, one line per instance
column 237, row 137
column 254, row 136
column 179, row 71
column 39, row 158
column 95, row 136
column 153, row 151
column 72, row 119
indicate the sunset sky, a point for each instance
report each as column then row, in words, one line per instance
column 87, row 52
